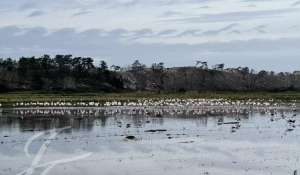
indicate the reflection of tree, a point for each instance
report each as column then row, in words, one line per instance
column 158, row 120
column 201, row 121
column 103, row 120
column 85, row 119
column 84, row 123
column 40, row 124
column 7, row 124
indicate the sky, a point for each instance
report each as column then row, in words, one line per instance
column 260, row 34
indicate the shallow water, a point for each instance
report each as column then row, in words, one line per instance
column 203, row 141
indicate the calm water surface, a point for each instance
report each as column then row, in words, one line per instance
column 206, row 141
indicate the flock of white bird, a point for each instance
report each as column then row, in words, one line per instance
column 153, row 111
column 153, row 107
column 163, row 108
column 154, row 102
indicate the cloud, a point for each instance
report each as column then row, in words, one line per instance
column 235, row 32
column 234, row 16
column 251, row 6
column 205, row 7
column 110, row 45
column 123, row 32
column 192, row 32
column 143, row 33
column 170, row 14
column 16, row 37
column 294, row 27
column 81, row 13
column 71, row 4
column 180, row 21
column 131, row 3
column 216, row 32
column 260, row 29
column 296, row 3
column 27, row 6
column 36, row 13
column 166, row 32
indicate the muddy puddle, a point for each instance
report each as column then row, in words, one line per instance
column 138, row 142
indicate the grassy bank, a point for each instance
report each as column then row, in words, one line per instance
column 43, row 96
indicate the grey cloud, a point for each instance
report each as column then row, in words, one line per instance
column 36, row 13
column 235, row 32
column 166, row 32
column 205, row 7
column 9, row 30
column 296, row 3
column 81, row 13
column 63, row 4
column 170, row 2
column 143, row 33
column 254, row 0
column 193, row 32
column 92, row 33
column 260, row 29
column 110, row 44
column 3, row 10
column 251, row 6
column 131, row 3
column 7, row 4
column 295, row 27
column 170, row 14
column 72, row 39
column 121, row 32
column 23, row 5
column 27, row 6
column 235, row 16
column 216, row 32
column 89, row 4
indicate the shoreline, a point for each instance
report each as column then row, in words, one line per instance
column 232, row 95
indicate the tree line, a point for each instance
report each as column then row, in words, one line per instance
column 68, row 73
column 62, row 72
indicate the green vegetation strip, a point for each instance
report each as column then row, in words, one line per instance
column 9, row 98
